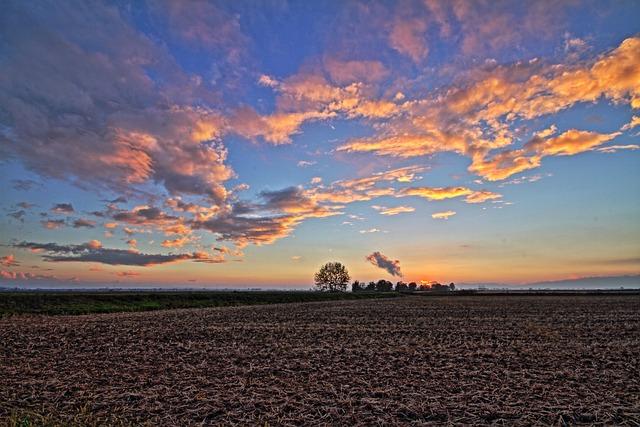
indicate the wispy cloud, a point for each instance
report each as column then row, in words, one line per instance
column 383, row 210
column 443, row 215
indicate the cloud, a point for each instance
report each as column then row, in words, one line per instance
column 479, row 114
column 97, row 131
column 435, row 193
column 635, row 121
column 94, row 252
column 381, row 261
column 27, row 276
column 127, row 273
column 205, row 24
column 407, row 37
column 175, row 243
column 443, row 215
column 510, row 162
column 262, row 223
column 23, row 184
column 52, row 224
column 370, row 230
column 83, row 223
column 151, row 216
column 394, row 210
column 352, row 71
column 305, row 163
column 482, row 196
column 9, row 261
column 616, row 148
column 296, row 258
column 304, row 97
column 117, row 200
column 18, row 215
column 62, row 208
column 568, row 143
column 158, row 127
column 276, row 128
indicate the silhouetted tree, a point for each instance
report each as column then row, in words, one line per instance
column 436, row 287
column 412, row 286
column 332, row 277
column 356, row 286
column 384, row 286
column 371, row 287
column 401, row 287
column 424, row 287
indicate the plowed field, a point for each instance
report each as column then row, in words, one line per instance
column 416, row 359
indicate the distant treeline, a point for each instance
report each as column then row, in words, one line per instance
column 387, row 286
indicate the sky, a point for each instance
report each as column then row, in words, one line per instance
column 246, row 143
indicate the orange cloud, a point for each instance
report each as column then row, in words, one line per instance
column 407, row 37
column 435, row 193
column 475, row 118
column 383, row 210
column 9, row 261
column 569, row 143
column 175, row 243
column 503, row 165
column 510, row 162
column 482, row 196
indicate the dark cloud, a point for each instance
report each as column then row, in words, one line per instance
column 62, row 208
column 25, row 205
column 283, row 199
column 23, row 184
column 117, row 200
column 94, row 252
column 19, row 215
column 143, row 216
column 81, row 222
column 381, row 261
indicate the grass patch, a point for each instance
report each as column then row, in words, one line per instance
column 73, row 303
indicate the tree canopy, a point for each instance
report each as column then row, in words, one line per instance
column 332, row 277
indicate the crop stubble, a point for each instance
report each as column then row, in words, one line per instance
column 462, row 359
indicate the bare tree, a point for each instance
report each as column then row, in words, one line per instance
column 332, row 277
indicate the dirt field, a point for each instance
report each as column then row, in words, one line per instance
column 458, row 359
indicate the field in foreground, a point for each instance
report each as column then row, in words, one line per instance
column 463, row 359
column 86, row 302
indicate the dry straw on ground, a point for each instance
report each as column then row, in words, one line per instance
column 412, row 360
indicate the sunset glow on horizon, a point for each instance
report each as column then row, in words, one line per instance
column 244, row 144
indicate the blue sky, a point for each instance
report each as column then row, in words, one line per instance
column 243, row 144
